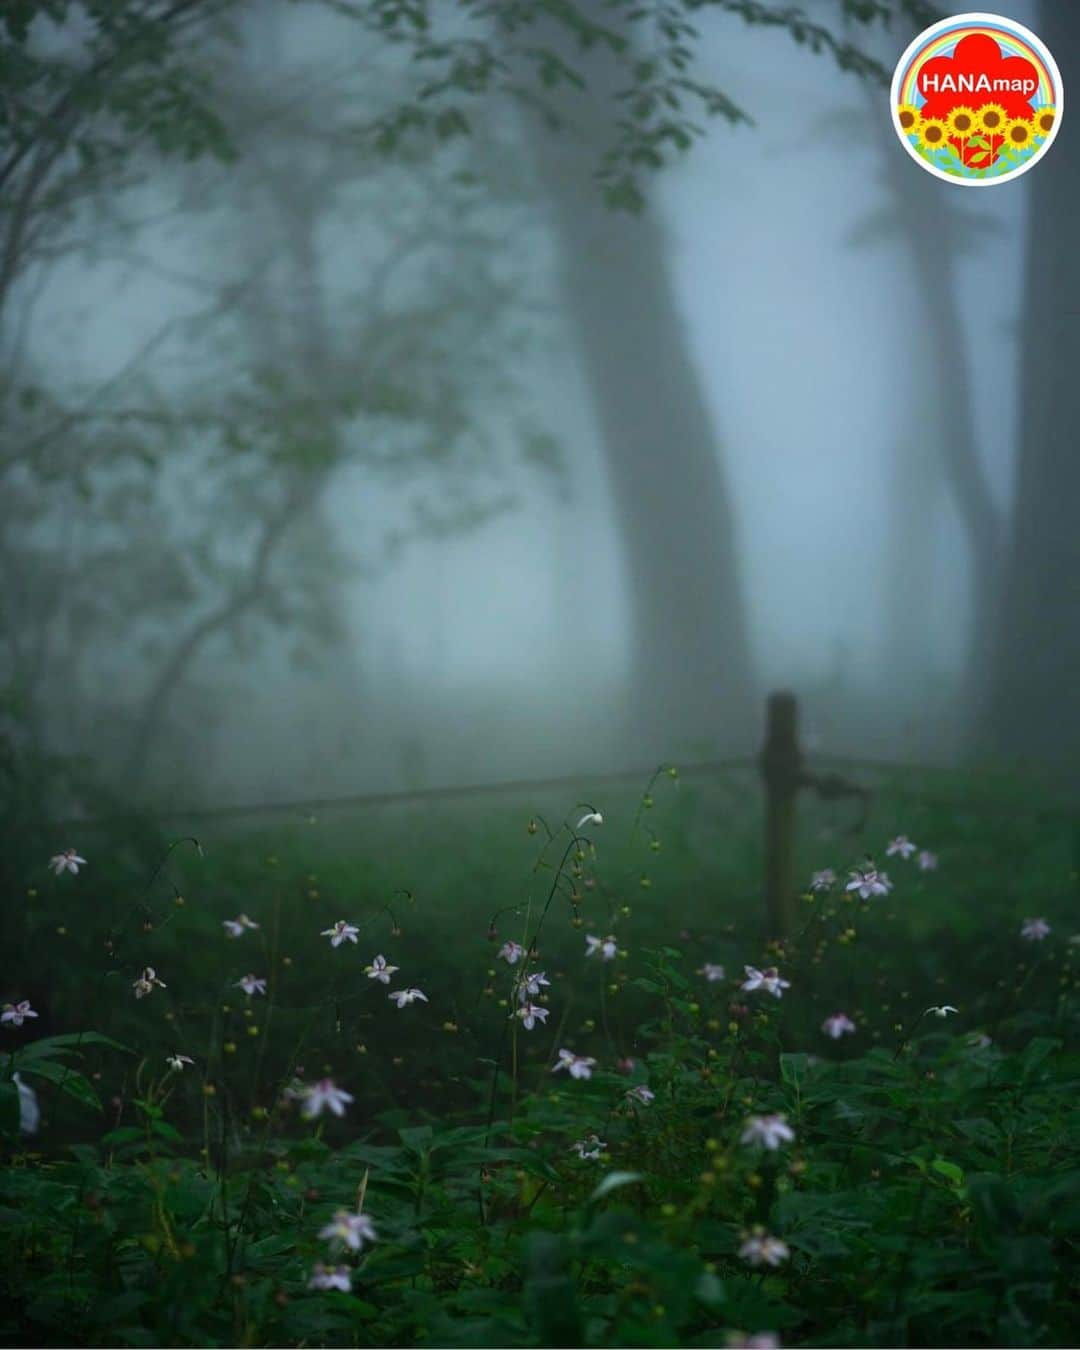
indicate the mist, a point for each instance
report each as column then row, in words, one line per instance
column 448, row 589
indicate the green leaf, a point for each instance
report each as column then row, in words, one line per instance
column 949, row 1170
column 66, row 1079
column 60, row 1045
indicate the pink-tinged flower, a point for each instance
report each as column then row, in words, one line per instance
column 821, row 881
column 591, row 818
column 768, row 979
column 341, row 932
column 234, row 928
column 768, row 1131
column 626, row 1065
column 868, row 882
column 605, row 946
column 927, row 861
column 532, row 984
column 324, row 1278
column 1034, row 930
column 760, row 1249
column 589, row 1148
column 712, row 972
column 403, row 996
column 380, row 970
column 530, row 1014
column 324, row 1095
column 839, row 1024
column 511, row 952
column 251, row 984
column 353, row 1230
column 15, row 1014
column 68, row 861
column 177, row 1062
column 145, row 983
column 760, row 1340
column 578, row 1066
column 641, row 1094
column 29, row 1111
column 901, row 845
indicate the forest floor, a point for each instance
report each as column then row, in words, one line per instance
column 597, row 1144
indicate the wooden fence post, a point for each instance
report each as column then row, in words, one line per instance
column 782, row 772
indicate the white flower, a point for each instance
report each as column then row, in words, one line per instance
column 762, row 1250
column 838, row 1025
column 821, row 881
column 341, row 932
column 605, row 946
column 902, row 845
column 530, row 1014
column 380, row 970
column 1034, row 930
column 768, row 979
column 641, row 1094
column 15, row 1014
column 234, row 928
column 323, row 1278
column 869, row 881
column 403, row 996
column 579, row 1066
column 324, row 1094
column 769, row 1131
column 68, row 861
column 531, row 985
column 511, row 952
column 712, row 972
column 943, row 1011
column 177, row 1062
column 591, row 818
column 760, row 1340
column 589, row 1148
column 927, row 861
column 29, row 1112
column 979, row 1040
column 145, row 983
column 351, row 1229
column 250, row 984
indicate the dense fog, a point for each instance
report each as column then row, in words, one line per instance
column 339, row 467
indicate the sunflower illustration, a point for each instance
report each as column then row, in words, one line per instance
column 1045, row 118
column 933, row 134
column 992, row 118
column 1019, row 133
column 908, row 116
column 961, row 122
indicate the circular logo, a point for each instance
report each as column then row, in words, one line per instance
column 976, row 99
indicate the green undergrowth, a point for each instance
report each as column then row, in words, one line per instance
column 930, row 1194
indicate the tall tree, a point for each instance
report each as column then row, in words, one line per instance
column 691, row 678
column 1034, row 712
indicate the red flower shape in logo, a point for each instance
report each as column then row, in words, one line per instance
column 976, row 74
column 974, row 57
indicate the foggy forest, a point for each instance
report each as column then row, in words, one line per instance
column 539, row 682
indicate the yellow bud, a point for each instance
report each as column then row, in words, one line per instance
column 229, row 1047
column 253, row 1030
column 668, row 1210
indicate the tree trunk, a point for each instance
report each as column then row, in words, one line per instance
column 691, row 684
column 1035, row 708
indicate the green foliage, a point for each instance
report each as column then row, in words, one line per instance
column 931, row 1194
